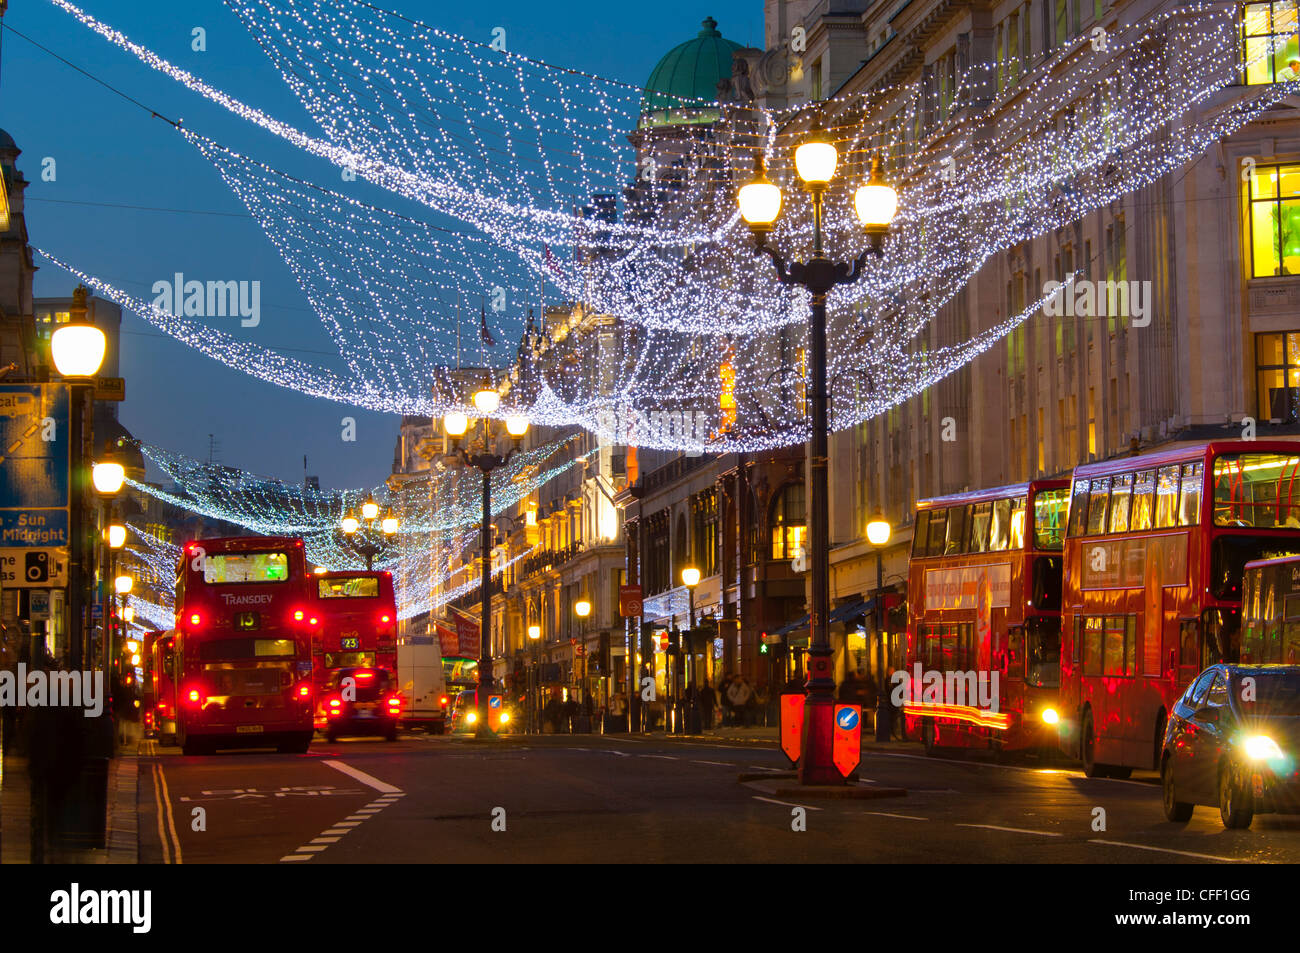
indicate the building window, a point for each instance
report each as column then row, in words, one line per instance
column 705, row 519
column 1277, row 371
column 1269, row 52
column 787, row 526
column 1275, row 220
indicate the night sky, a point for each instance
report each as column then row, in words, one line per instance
column 109, row 153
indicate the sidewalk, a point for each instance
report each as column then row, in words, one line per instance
column 121, row 829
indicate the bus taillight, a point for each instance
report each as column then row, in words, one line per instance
column 298, row 614
column 385, row 618
column 196, row 619
column 194, row 696
column 304, row 690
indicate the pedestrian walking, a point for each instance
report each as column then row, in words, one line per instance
column 708, row 699
column 741, row 696
column 723, row 686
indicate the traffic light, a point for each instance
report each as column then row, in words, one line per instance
column 602, row 660
column 674, row 642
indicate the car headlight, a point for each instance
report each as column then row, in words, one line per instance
column 1262, row 748
column 1050, row 716
column 505, row 717
column 471, row 717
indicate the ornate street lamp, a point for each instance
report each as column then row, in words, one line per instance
column 694, row 725
column 480, row 453
column 875, row 203
column 878, row 533
column 108, row 477
column 368, row 544
column 77, row 349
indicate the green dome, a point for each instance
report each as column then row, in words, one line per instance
column 687, row 78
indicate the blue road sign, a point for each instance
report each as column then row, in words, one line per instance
column 494, row 701
column 847, row 719
column 34, row 464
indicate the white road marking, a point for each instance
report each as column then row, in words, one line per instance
column 724, row 764
column 661, row 757
column 1012, row 830
column 335, row 833
column 769, row 800
column 906, row 817
column 1166, row 850
column 358, row 775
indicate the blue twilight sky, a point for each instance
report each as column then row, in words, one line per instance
column 110, row 152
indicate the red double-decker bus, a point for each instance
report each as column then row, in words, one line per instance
column 358, row 626
column 240, row 656
column 158, row 694
column 985, row 599
column 1154, row 558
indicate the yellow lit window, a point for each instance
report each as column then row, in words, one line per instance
column 1274, row 192
column 1269, row 52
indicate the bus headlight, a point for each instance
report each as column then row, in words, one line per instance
column 471, row 717
column 1262, row 748
column 505, row 717
column 1050, row 716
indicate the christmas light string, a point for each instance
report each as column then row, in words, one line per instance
column 683, row 317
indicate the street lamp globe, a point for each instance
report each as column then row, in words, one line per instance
column 487, row 400
column 122, row 585
column 389, row 523
column 760, row 201
column 455, row 423
column 878, row 530
column 815, row 158
column 534, row 632
column 78, row 350
column 116, row 536
column 691, row 577
column 876, row 202
column 108, row 478
column 516, row 425
column 128, row 614
column 350, row 523
column 583, row 608
column 369, row 509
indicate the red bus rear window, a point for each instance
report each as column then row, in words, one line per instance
column 351, row 587
column 227, row 568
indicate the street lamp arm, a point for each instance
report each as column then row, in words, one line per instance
column 847, row 277
column 784, row 274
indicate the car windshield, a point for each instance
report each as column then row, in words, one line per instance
column 1268, row 693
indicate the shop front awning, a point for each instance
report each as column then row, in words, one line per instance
column 800, row 623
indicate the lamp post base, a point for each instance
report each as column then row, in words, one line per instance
column 816, row 764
